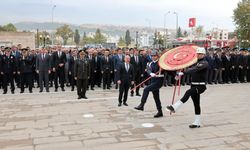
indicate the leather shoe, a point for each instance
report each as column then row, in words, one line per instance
column 138, row 94
column 120, row 104
column 159, row 114
column 125, row 104
column 63, row 89
column 85, row 97
column 194, row 126
column 79, row 97
column 140, row 107
column 55, row 90
column 131, row 94
column 171, row 109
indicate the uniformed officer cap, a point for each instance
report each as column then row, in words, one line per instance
column 81, row 52
column 154, row 52
column 24, row 49
column 7, row 49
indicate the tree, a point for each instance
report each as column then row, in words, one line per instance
column 77, row 37
column 179, row 33
column 127, row 38
column 121, row 42
column 242, row 21
column 86, row 40
column 8, row 28
column 99, row 38
column 65, row 32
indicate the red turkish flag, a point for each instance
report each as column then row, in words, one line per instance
column 192, row 22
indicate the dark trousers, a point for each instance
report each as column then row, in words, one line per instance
column 44, row 80
column 248, row 74
column 106, row 79
column 8, row 78
column 235, row 75
column 226, row 75
column 59, row 74
column 72, row 81
column 26, row 79
column 123, row 89
column 93, row 79
column 194, row 92
column 218, row 75
column 242, row 74
column 137, row 81
column 154, row 87
column 81, row 87
column 210, row 74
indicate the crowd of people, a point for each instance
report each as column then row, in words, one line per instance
column 57, row 67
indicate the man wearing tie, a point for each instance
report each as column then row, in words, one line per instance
column 43, row 66
column 138, row 70
column 59, row 60
column 118, row 60
column 125, row 77
column 106, row 69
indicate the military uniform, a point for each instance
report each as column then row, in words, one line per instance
column 8, row 69
column 82, row 74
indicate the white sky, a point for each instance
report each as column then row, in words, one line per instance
column 209, row 13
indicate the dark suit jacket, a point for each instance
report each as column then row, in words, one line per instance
column 82, row 69
column 25, row 65
column 138, row 67
column 58, row 60
column 8, row 64
column 117, row 61
column 43, row 65
column 106, row 65
column 124, row 75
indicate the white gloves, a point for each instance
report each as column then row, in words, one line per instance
column 152, row 74
column 180, row 73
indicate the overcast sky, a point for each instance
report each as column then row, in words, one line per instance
column 209, row 13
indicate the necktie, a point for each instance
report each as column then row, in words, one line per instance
column 107, row 59
column 127, row 67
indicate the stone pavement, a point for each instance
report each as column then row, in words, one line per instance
column 56, row 121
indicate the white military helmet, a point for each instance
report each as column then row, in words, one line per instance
column 200, row 50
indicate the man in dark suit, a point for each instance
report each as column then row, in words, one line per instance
column 95, row 70
column 125, row 77
column 8, row 70
column 59, row 60
column 82, row 74
column 137, row 63
column 106, row 69
column 211, row 61
column 43, row 67
column 24, row 69
column 118, row 59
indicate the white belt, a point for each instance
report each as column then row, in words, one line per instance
column 198, row 83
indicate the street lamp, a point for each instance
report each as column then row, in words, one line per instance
column 165, row 29
column 176, row 14
column 52, row 14
column 44, row 38
column 136, row 38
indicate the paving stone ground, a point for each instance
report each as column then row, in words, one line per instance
column 54, row 121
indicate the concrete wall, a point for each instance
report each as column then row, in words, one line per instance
column 14, row 38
